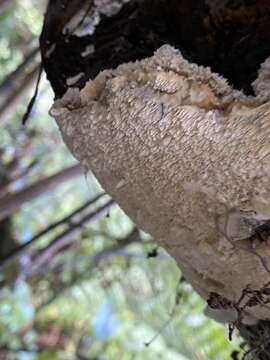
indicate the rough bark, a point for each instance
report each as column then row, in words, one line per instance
column 184, row 154
column 208, row 32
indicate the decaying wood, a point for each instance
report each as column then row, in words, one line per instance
column 187, row 157
column 180, row 139
column 208, row 32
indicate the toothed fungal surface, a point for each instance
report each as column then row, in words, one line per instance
column 188, row 159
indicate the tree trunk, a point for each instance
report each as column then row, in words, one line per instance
column 180, row 139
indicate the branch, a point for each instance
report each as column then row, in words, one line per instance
column 10, row 203
column 94, row 260
column 20, row 249
column 15, row 84
column 5, row 5
column 66, row 237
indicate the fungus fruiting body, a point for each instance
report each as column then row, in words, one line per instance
column 187, row 158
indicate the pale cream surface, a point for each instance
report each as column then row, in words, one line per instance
column 187, row 158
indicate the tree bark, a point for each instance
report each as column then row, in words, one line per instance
column 183, row 153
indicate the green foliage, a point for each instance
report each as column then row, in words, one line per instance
column 20, row 25
column 16, row 312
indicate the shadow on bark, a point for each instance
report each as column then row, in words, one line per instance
column 229, row 36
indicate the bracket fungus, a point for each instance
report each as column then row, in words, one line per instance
column 187, row 157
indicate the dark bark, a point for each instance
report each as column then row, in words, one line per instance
column 59, row 13
column 231, row 37
column 258, row 338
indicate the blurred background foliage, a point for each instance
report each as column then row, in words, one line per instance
column 89, row 287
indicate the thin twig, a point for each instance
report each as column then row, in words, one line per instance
column 168, row 322
column 20, row 249
column 93, row 263
column 34, row 97
column 65, row 238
